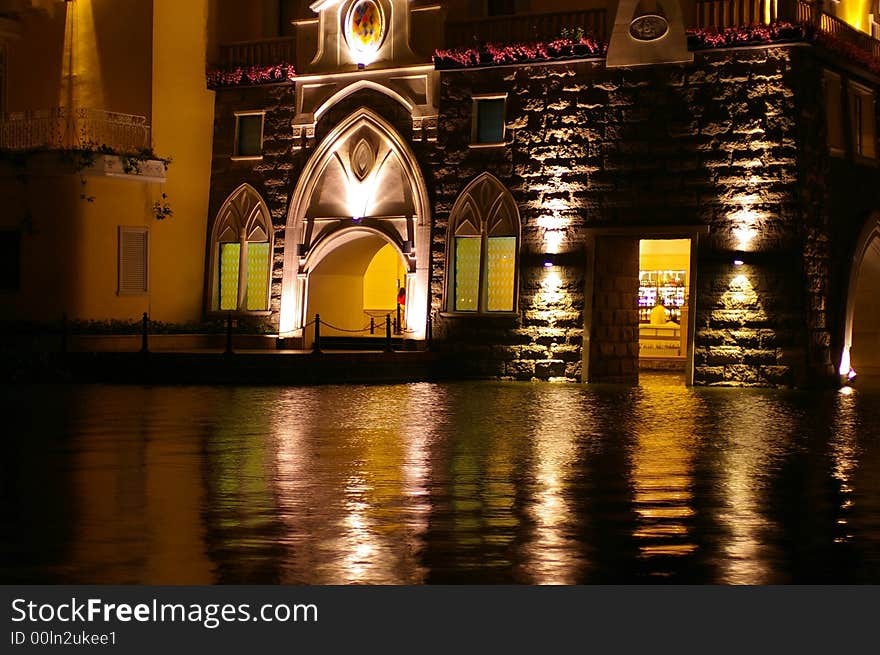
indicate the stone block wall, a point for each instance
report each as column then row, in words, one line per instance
column 711, row 144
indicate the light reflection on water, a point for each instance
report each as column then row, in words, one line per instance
column 441, row 483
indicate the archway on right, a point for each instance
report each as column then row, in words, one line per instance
column 861, row 350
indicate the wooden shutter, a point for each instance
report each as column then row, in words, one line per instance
column 133, row 260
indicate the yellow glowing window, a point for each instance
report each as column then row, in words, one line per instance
column 467, row 273
column 500, row 273
column 230, row 254
column 257, row 275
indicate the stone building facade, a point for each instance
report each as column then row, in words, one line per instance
column 730, row 152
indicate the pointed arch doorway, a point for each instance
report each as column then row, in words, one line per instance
column 861, row 347
column 358, row 230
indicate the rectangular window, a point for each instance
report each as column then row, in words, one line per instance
column 257, row 275
column 862, row 121
column 834, row 114
column 249, row 135
column 230, row 255
column 467, row 273
column 488, row 126
column 133, row 260
column 500, row 273
column 10, row 260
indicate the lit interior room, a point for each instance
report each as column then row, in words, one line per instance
column 664, row 275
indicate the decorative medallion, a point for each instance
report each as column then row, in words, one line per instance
column 649, row 27
column 364, row 27
column 362, row 160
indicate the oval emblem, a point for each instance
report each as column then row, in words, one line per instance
column 648, row 27
column 365, row 26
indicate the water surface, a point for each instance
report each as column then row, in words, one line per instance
column 440, row 483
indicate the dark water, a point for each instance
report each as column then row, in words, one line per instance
column 440, row 483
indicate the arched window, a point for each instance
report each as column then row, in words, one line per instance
column 483, row 249
column 241, row 253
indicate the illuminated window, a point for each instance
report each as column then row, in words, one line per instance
column 10, row 260
column 134, row 256
column 834, row 113
column 862, row 121
column 242, row 251
column 249, row 134
column 488, row 124
column 483, row 249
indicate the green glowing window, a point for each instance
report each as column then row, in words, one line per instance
column 467, row 273
column 500, row 272
column 489, row 120
column 257, row 275
column 484, row 249
column 249, row 135
column 230, row 258
column 242, row 259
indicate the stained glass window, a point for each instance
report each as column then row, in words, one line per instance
column 258, row 273
column 230, row 255
column 365, row 27
column 484, row 248
column 243, row 241
column 500, row 272
column 467, row 273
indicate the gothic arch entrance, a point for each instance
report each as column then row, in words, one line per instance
column 861, row 346
column 361, row 196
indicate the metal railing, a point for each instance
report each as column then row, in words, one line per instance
column 263, row 52
column 843, row 31
column 721, row 14
column 62, row 128
column 525, row 27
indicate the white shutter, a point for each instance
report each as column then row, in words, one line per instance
column 133, row 260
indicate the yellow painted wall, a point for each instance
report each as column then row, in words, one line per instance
column 380, row 279
column 69, row 248
column 854, row 12
column 89, row 54
column 143, row 57
column 339, row 299
column 664, row 255
column 183, row 120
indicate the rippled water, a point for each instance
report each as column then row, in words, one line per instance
column 440, row 483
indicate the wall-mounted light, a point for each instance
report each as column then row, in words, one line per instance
column 548, row 263
column 738, row 262
column 739, row 258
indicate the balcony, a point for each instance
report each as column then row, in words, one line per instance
column 112, row 144
column 78, row 129
column 525, row 27
column 263, row 52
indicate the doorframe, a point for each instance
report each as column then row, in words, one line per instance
column 639, row 232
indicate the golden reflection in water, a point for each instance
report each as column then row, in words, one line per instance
column 663, row 467
column 845, row 455
column 758, row 433
column 139, row 493
column 550, row 555
column 340, row 488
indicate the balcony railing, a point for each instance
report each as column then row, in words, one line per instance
column 62, row 128
column 525, row 27
column 264, row 52
column 721, row 14
column 848, row 34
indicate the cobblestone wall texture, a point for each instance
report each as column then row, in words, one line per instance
column 732, row 144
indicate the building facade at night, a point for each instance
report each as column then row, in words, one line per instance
column 536, row 206
column 572, row 193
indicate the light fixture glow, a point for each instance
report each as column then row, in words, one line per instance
column 738, row 262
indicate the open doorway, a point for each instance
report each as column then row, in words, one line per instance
column 664, row 304
column 356, row 286
column 861, row 352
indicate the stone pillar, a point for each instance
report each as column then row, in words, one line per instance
column 614, row 335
